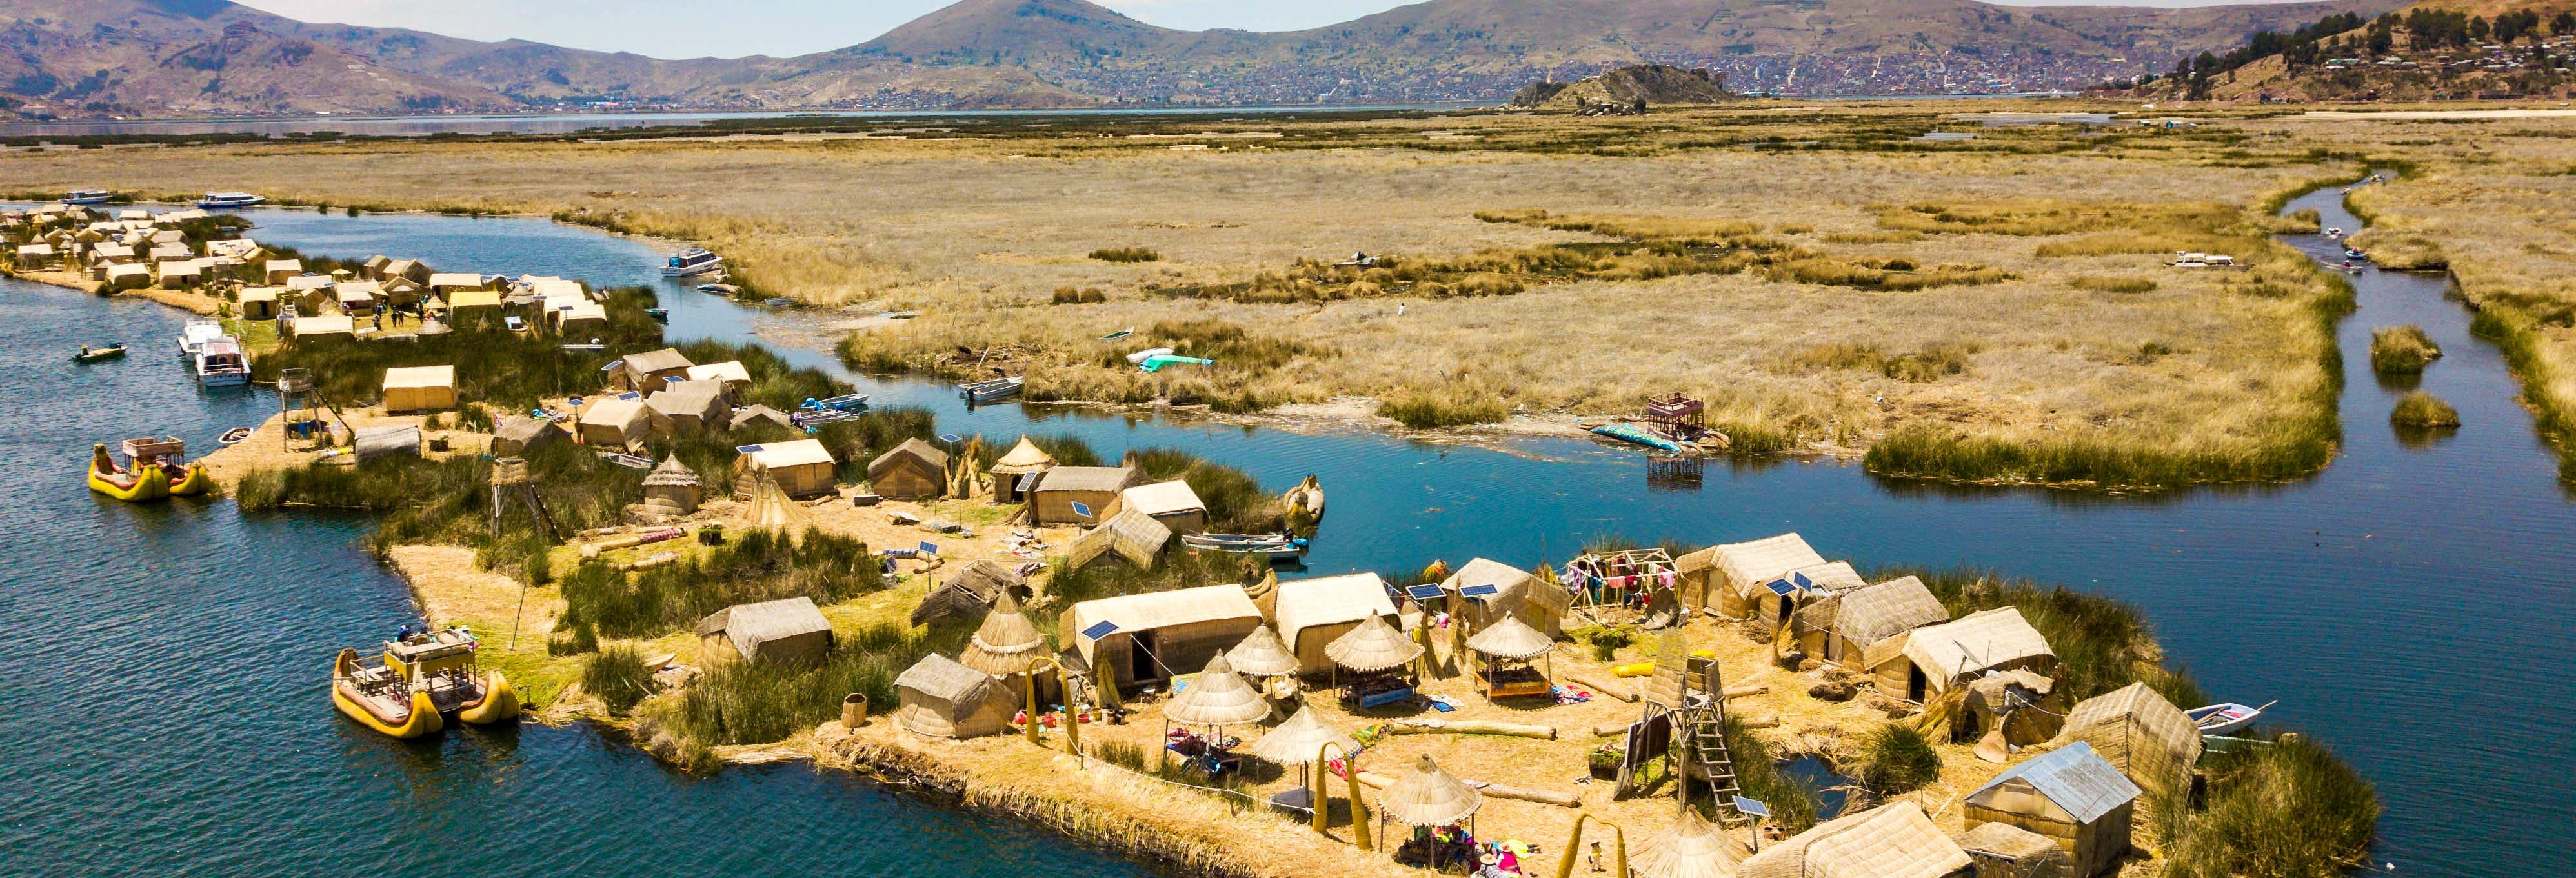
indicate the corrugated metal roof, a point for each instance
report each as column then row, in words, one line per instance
column 2075, row 778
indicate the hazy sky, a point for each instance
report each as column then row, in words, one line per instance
column 728, row 28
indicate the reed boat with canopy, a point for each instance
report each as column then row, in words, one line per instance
column 421, row 683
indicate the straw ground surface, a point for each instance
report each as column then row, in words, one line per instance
column 1824, row 280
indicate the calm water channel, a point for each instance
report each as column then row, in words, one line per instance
column 163, row 708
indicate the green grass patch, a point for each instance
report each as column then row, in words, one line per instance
column 1896, row 759
column 618, row 676
column 2286, row 809
column 756, row 565
column 1435, row 408
column 758, row 703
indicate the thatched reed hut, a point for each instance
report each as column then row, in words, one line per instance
column 513, row 435
column 2151, row 741
column 1484, row 591
column 802, row 467
column 1143, row 638
column 912, row 468
column 788, row 631
column 1856, row 620
column 646, row 370
column 2002, row 850
column 1093, row 488
column 2070, row 795
column 1691, row 848
column 1741, row 568
column 1312, row 613
column 1934, row 659
column 420, row 388
column 620, row 423
column 1895, row 840
column 1130, row 534
column 672, row 489
column 1016, row 474
column 692, row 406
column 939, row 697
column 1372, row 647
column 969, row 589
column 1008, row 648
column 1172, row 503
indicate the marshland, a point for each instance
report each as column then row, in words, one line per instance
column 2023, row 533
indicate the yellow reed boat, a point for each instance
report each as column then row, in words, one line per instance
column 142, row 483
column 196, row 481
column 380, row 699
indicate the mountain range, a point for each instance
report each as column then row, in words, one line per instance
column 144, row 58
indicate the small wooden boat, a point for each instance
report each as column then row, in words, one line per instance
column 1276, row 547
column 2349, row 253
column 381, row 699
column 2220, row 719
column 1157, row 362
column 984, row 391
column 720, row 289
column 1638, row 435
column 661, row 314
column 851, row 402
column 90, row 354
column 234, row 436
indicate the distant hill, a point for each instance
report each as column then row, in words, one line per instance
column 161, row 57
column 1644, row 85
column 2431, row 51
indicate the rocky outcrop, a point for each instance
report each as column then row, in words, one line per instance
column 1627, row 90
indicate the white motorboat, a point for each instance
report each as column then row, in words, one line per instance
column 2220, row 719
column 692, row 262
column 221, row 363
column 197, row 333
column 220, row 200
column 88, row 196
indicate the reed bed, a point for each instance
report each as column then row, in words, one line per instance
column 2402, row 350
column 745, row 702
column 756, row 565
column 2422, row 410
column 2285, row 807
column 1896, row 759
column 618, row 676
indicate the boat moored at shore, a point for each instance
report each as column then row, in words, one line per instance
column 222, row 200
column 692, row 262
column 420, row 683
column 88, row 196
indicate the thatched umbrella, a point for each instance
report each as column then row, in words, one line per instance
column 1372, row 646
column 1296, row 742
column 1510, row 640
column 1693, row 848
column 1263, row 654
column 1025, row 458
column 1218, row 698
column 1428, row 797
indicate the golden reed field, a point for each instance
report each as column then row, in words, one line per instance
column 1994, row 308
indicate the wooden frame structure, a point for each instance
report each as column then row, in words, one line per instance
column 1604, row 583
column 1675, row 416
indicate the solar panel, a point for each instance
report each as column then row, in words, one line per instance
column 1424, row 592
column 1100, row 630
column 950, row 438
column 1801, row 579
column 1781, row 587
column 1028, row 482
column 612, row 365
column 745, row 449
column 1481, row 591
column 630, row 396
column 1080, row 509
column 1752, row 806
column 929, row 548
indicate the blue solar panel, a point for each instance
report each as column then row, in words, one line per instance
column 1781, row 587
column 1424, row 592
column 1079, row 508
column 1801, row 579
column 950, row 438
column 745, row 449
column 1100, row 630
column 1480, row 591
column 929, row 548
column 612, row 365
column 630, row 396
column 1752, row 806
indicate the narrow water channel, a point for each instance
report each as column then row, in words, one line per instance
column 165, row 685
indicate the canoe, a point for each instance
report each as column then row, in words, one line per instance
column 1274, row 546
column 93, row 355
column 148, row 487
column 234, row 436
column 849, row 402
column 1156, row 362
column 1140, row 357
column 370, row 696
column 662, row 314
column 2220, row 719
column 195, row 481
column 1638, row 435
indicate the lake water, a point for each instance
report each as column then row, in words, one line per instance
column 167, row 684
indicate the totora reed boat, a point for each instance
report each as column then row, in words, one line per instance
column 420, row 684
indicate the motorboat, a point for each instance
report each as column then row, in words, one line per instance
column 987, row 391
column 1276, row 547
column 93, row 354
column 199, row 331
column 720, row 289
column 221, row 200
column 88, row 196
column 692, row 262
column 221, row 363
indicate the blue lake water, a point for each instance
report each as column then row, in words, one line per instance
column 166, row 684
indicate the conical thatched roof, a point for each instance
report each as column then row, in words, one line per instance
column 1296, row 741
column 1372, row 646
column 1006, row 644
column 1218, row 697
column 1025, row 457
column 1510, row 638
column 1692, row 848
column 770, row 506
column 1427, row 796
column 1262, row 654
column 672, row 473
